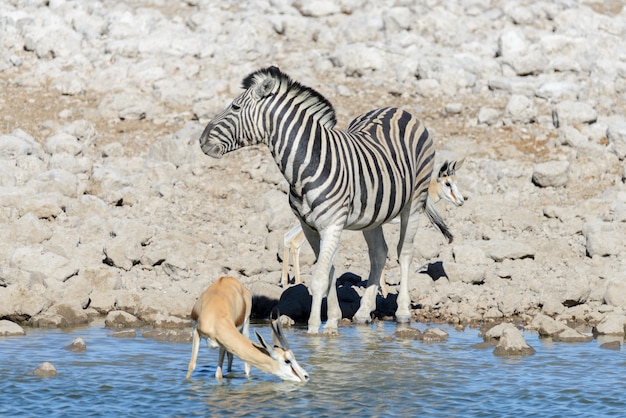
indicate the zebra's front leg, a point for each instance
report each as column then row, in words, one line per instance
column 321, row 281
column 377, row 248
column 408, row 229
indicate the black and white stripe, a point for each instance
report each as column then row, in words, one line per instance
column 356, row 179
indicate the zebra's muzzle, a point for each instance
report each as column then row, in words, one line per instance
column 212, row 150
column 209, row 148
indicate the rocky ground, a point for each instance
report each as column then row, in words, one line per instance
column 108, row 206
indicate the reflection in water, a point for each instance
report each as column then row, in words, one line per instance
column 365, row 371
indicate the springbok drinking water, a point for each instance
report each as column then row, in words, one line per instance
column 443, row 186
column 222, row 316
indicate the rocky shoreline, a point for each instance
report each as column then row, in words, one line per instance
column 108, row 208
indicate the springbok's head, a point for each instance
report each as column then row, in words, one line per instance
column 285, row 365
column 242, row 122
column 445, row 185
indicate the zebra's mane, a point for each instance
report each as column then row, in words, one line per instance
column 313, row 97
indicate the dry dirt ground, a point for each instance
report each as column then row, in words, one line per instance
column 35, row 110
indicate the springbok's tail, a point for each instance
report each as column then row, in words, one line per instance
column 435, row 219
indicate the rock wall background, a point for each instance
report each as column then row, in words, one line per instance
column 107, row 203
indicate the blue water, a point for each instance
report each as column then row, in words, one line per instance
column 359, row 373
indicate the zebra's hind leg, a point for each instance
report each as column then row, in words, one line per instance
column 377, row 248
column 409, row 222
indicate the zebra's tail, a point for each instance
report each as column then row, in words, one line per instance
column 435, row 219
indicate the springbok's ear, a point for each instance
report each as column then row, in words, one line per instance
column 268, row 347
column 277, row 335
column 457, row 164
column 444, row 169
column 265, row 87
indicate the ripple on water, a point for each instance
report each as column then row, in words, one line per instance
column 360, row 373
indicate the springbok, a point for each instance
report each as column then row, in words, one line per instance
column 222, row 316
column 443, row 186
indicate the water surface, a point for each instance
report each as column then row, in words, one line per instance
column 360, row 373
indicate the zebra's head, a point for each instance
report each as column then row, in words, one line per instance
column 241, row 123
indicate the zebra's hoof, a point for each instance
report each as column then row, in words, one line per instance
column 362, row 319
column 403, row 319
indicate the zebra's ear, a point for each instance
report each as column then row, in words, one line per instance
column 265, row 87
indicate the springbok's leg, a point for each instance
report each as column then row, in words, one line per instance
column 383, row 285
column 194, row 351
column 230, row 361
column 295, row 258
column 285, row 273
column 409, row 221
column 377, row 248
column 324, row 245
column 245, row 331
column 220, row 362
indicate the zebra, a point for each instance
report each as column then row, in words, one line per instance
column 357, row 179
column 443, row 186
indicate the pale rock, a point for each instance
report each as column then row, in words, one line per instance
column 488, row 115
column 48, row 264
column 23, row 299
column 434, row 335
column 69, row 84
column 552, row 305
column 499, row 250
column 511, row 43
column 556, row 91
column 9, row 328
column 495, row 332
column 57, row 180
column 317, row 8
column 12, row 146
column 73, row 313
column 612, row 324
column 572, row 137
column 573, row 336
column 531, row 61
column 573, row 112
column 548, row 326
column 121, row 319
column 551, row 174
column 459, row 272
column 48, row 320
column 45, row 369
column 71, row 163
column 616, row 134
column 361, row 59
column 51, row 38
column 63, row 142
column 43, row 205
column 28, row 167
column 428, row 87
column 513, row 344
column 520, row 109
column 615, row 294
column 108, row 183
column 78, row 345
column 602, row 238
column 30, row 230
column 397, row 18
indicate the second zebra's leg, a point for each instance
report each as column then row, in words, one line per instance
column 377, row 248
column 409, row 222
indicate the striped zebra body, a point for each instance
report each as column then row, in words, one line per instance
column 358, row 179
